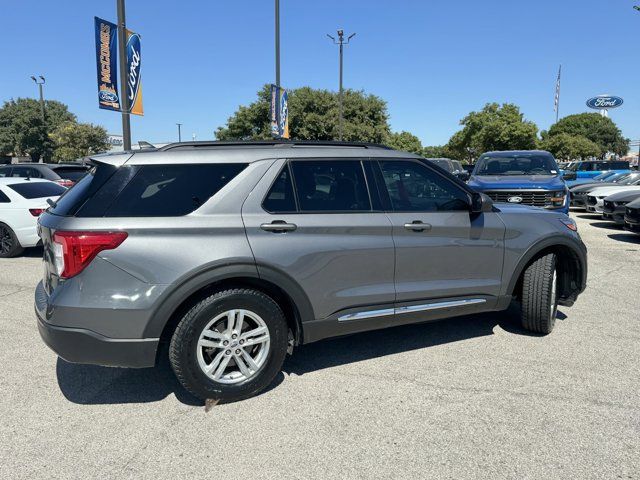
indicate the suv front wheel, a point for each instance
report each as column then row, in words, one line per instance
column 230, row 345
column 540, row 295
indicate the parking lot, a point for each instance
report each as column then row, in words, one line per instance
column 473, row 397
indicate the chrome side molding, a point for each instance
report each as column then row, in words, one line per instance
column 410, row 309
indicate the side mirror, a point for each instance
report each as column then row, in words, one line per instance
column 481, row 203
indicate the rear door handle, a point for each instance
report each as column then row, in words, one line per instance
column 278, row 226
column 417, row 226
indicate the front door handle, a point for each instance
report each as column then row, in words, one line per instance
column 278, row 226
column 417, row 226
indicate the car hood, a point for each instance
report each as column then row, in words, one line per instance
column 514, row 182
column 624, row 196
column 590, row 186
column 606, row 191
column 635, row 204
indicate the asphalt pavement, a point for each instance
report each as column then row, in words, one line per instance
column 473, row 397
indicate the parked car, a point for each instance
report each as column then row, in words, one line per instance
column 21, row 203
column 69, row 172
column 595, row 199
column 28, row 170
column 454, row 167
column 528, row 177
column 231, row 254
column 578, row 171
column 632, row 216
column 614, row 205
column 578, row 194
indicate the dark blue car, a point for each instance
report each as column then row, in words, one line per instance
column 527, row 177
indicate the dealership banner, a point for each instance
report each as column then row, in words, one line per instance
column 106, row 61
column 279, row 112
column 134, row 87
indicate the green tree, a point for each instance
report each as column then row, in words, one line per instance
column 593, row 126
column 75, row 140
column 435, row 151
column 22, row 131
column 313, row 115
column 404, row 141
column 570, row 147
column 495, row 127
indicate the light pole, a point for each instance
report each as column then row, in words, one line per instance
column 341, row 42
column 179, row 134
column 40, row 83
column 124, row 96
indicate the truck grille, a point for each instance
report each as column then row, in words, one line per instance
column 537, row 198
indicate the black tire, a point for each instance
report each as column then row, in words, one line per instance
column 539, row 303
column 183, row 347
column 9, row 244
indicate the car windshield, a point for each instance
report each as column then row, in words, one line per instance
column 516, row 165
column 605, row 175
column 631, row 180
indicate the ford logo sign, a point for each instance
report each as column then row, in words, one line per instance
column 604, row 102
column 107, row 96
column 514, row 199
column 133, row 64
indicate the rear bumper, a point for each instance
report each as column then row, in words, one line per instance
column 78, row 345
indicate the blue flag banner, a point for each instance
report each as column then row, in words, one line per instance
column 106, row 61
column 279, row 112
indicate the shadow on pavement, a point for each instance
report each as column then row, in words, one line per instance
column 32, row 252
column 626, row 237
column 94, row 385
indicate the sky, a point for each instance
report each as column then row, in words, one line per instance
column 433, row 61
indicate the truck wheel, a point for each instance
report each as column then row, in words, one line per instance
column 229, row 346
column 540, row 295
column 9, row 244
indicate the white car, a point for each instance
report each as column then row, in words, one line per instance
column 595, row 199
column 22, row 201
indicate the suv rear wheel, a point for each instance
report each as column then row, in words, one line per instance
column 230, row 345
column 540, row 295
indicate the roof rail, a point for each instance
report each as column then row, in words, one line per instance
column 270, row 143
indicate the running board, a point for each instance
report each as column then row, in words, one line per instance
column 410, row 309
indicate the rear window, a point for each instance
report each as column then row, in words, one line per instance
column 77, row 196
column 73, row 174
column 38, row 189
column 171, row 190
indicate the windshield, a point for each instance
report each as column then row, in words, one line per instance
column 631, row 179
column 602, row 176
column 521, row 164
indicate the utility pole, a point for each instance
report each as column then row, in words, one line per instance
column 179, row 134
column 277, row 43
column 40, row 83
column 124, row 95
column 341, row 42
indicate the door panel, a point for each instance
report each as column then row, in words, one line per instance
column 340, row 260
column 441, row 249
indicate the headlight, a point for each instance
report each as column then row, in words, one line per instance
column 558, row 198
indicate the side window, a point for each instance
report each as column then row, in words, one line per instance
column 585, row 167
column 414, row 187
column 171, row 190
column 281, row 198
column 331, row 186
column 24, row 172
column 4, row 198
column 5, row 172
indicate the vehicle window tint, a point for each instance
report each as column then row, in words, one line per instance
column 5, row 172
column 71, row 173
column 330, row 186
column 281, row 198
column 171, row 190
column 38, row 189
column 74, row 198
column 4, row 198
column 24, row 172
column 414, row 187
column 585, row 167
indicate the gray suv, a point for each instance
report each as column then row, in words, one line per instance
column 231, row 254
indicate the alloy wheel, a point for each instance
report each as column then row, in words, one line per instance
column 233, row 346
column 6, row 240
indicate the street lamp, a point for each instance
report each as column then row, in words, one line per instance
column 341, row 42
column 40, row 81
column 179, row 134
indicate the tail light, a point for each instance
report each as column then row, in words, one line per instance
column 73, row 251
column 65, row 183
column 36, row 212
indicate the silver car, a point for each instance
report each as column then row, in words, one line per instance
column 232, row 254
